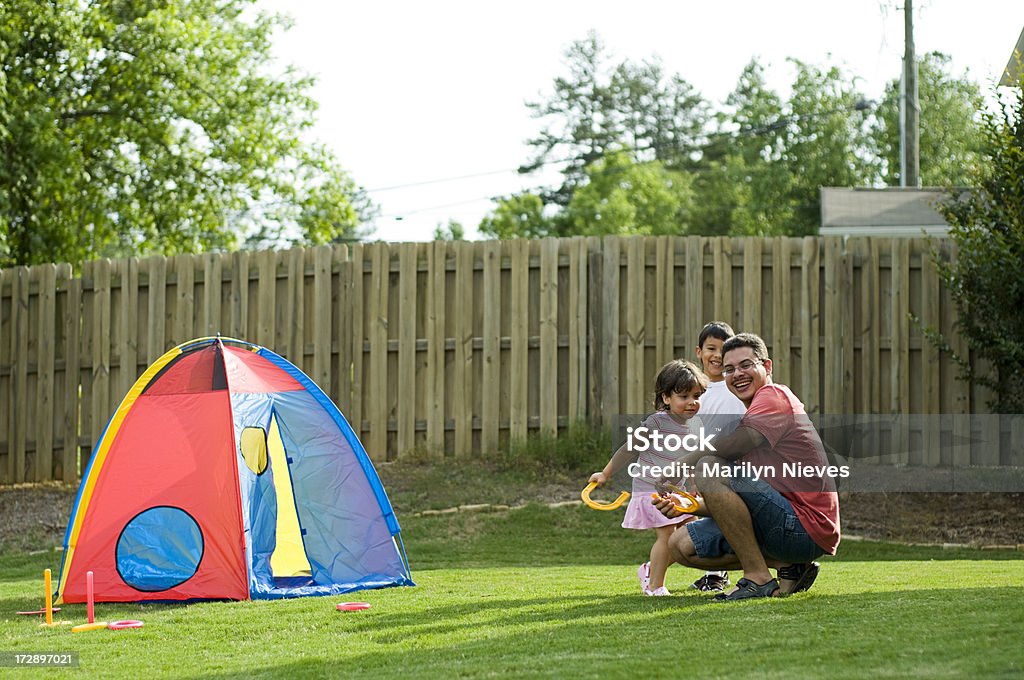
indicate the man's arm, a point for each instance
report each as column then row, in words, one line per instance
column 729, row 447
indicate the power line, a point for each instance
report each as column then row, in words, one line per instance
column 710, row 137
column 405, row 213
column 518, row 170
column 442, row 180
column 860, row 105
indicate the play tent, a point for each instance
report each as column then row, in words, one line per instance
column 226, row 473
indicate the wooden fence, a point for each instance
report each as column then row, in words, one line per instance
column 456, row 348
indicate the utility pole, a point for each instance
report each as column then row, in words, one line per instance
column 910, row 163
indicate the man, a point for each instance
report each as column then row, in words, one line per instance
column 768, row 500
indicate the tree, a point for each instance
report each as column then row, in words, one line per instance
column 634, row 112
column 827, row 141
column 759, row 173
column 771, row 157
column 623, row 197
column 716, row 197
column 518, row 216
column 578, row 131
column 986, row 279
column 950, row 135
column 755, row 167
column 746, row 186
column 657, row 117
column 598, row 109
column 453, row 231
column 763, row 189
column 154, row 126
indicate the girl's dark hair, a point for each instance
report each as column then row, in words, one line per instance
column 716, row 329
column 677, row 375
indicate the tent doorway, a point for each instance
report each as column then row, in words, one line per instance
column 262, row 450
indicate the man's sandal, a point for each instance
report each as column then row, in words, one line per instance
column 802, row 575
column 747, row 589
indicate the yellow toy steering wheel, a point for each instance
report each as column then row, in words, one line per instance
column 598, row 505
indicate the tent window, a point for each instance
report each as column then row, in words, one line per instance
column 160, row 548
column 253, row 445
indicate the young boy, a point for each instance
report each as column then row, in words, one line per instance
column 720, row 412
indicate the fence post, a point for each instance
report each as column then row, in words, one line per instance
column 462, row 364
column 491, row 369
column 128, row 352
column 351, row 334
column 435, row 331
column 16, row 447
column 609, row 357
column 579, row 310
column 45, row 353
column 809, row 321
column 548, row 327
column 782, row 311
column 664, row 300
column 405, row 414
column 900, row 344
column 722, row 248
column 322, row 309
column 378, row 335
column 71, row 335
column 518, row 330
column 693, row 296
column 635, row 331
column 213, row 284
column 752, row 316
column 100, row 389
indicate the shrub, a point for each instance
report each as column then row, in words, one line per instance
column 986, row 279
column 581, row 447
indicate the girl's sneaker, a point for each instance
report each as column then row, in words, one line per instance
column 658, row 592
column 643, row 573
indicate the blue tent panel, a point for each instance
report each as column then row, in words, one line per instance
column 349, row 531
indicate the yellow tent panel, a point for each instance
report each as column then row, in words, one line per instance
column 289, row 557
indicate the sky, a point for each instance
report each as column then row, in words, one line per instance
column 424, row 103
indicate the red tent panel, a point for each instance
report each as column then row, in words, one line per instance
column 172, row 450
column 191, row 373
column 249, row 372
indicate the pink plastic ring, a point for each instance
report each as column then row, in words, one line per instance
column 352, row 606
column 121, row 625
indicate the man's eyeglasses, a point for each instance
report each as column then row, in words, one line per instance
column 742, row 366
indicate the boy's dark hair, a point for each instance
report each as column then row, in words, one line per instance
column 715, row 329
column 750, row 340
column 677, row 375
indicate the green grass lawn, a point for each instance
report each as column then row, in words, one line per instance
column 553, row 592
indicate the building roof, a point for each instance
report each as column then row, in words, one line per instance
column 889, row 211
column 1012, row 72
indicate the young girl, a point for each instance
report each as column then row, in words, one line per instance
column 677, row 392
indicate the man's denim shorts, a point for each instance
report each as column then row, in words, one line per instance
column 779, row 534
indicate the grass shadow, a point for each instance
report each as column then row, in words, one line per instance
column 852, row 635
column 570, row 609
